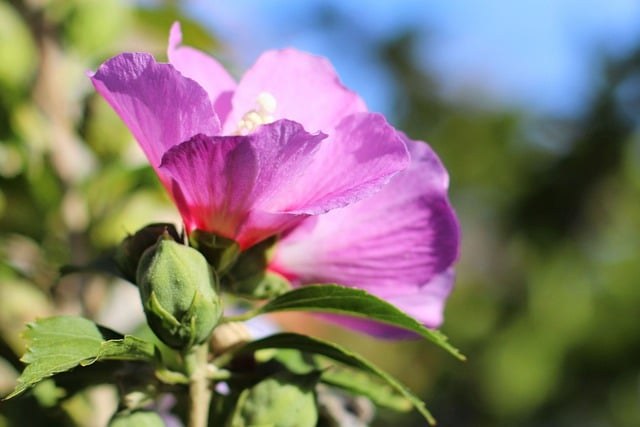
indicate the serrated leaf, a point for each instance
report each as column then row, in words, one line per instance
column 332, row 351
column 58, row 344
column 353, row 302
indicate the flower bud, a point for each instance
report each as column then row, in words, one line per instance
column 284, row 400
column 133, row 246
column 249, row 276
column 179, row 294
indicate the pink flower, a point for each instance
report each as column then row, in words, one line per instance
column 288, row 150
column 398, row 244
column 251, row 160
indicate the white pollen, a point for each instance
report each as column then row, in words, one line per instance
column 263, row 115
column 267, row 102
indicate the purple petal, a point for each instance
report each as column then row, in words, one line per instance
column 357, row 159
column 401, row 236
column 305, row 87
column 203, row 69
column 161, row 107
column 237, row 186
column 390, row 244
column 254, row 186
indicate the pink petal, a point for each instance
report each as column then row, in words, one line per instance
column 389, row 244
column 203, row 69
column 305, row 87
column 234, row 185
column 254, row 186
column 160, row 107
column 358, row 158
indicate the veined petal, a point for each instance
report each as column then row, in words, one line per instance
column 159, row 105
column 254, row 186
column 358, row 158
column 390, row 244
column 205, row 70
column 233, row 185
column 305, row 87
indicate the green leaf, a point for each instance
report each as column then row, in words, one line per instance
column 332, row 351
column 354, row 302
column 364, row 384
column 58, row 344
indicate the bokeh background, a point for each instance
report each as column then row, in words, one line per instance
column 532, row 105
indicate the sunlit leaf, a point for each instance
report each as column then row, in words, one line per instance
column 58, row 344
column 353, row 302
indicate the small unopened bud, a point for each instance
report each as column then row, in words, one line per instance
column 133, row 246
column 249, row 276
column 284, row 400
column 179, row 294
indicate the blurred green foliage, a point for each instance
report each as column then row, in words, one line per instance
column 546, row 305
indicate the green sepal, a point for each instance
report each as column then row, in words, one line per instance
column 263, row 285
column 221, row 253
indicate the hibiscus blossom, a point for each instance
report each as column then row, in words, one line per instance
column 289, row 151
column 398, row 244
column 251, row 160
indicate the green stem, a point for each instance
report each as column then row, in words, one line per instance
column 195, row 363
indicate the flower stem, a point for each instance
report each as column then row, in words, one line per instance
column 195, row 363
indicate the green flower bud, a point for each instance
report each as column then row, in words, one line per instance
column 249, row 276
column 133, row 246
column 179, row 294
column 284, row 400
column 139, row 418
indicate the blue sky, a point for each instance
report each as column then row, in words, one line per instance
column 536, row 53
